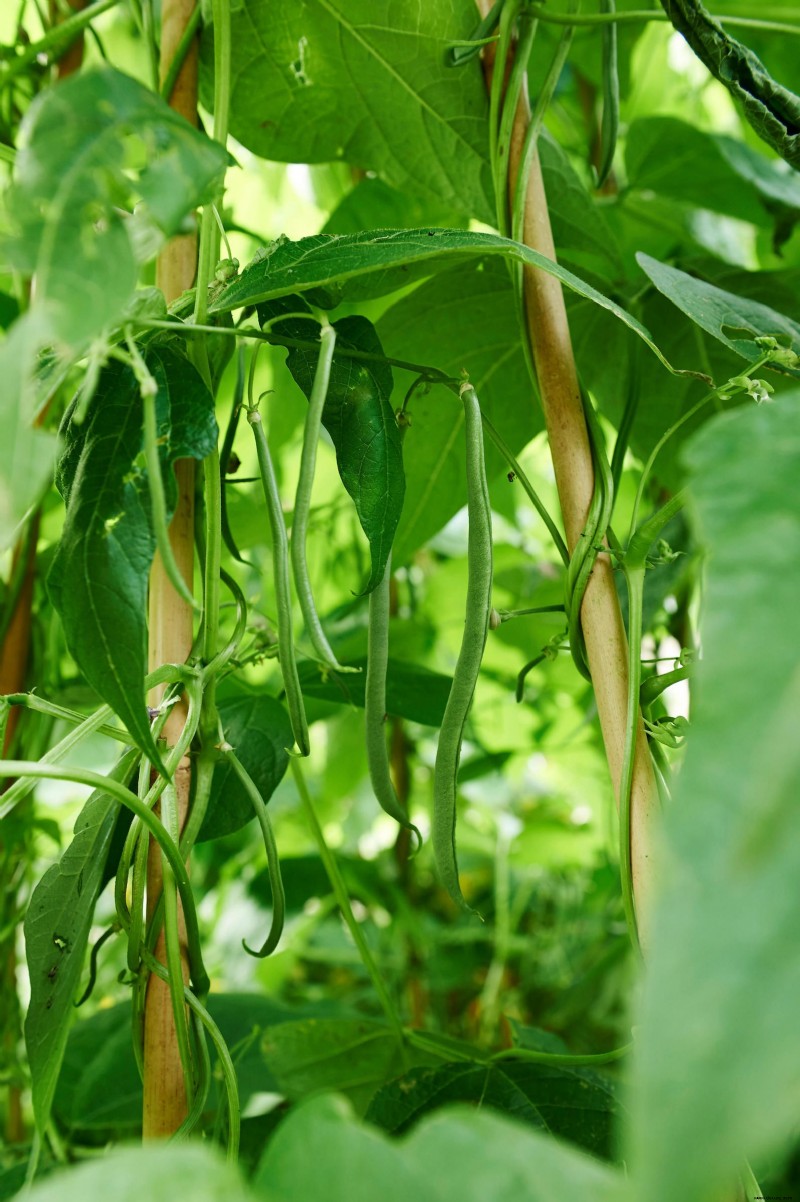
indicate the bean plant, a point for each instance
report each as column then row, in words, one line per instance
column 398, row 495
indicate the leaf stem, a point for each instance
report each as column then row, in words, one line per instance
column 61, row 35
column 635, row 16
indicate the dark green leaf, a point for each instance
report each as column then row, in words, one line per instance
column 462, row 319
column 381, row 261
column 57, row 928
column 722, row 314
column 360, row 420
column 373, row 204
column 98, row 579
column 451, row 1157
column 772, row 110
column 258, row 728
column 717, row 1030
column 412, row 691
column 572, row 1103
column 97, row 144
column 364, row 81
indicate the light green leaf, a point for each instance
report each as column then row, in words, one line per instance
column 722, row 314
column 98, row 578
column 159, row 1172
column 381, row 261
column 26, row 454
column 57, row 928
column 92, row 147
column 715, row 1071
column 364, row 81
column 455, row 1156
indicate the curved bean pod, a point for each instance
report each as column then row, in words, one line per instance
column 375, row 703
column 476, row 629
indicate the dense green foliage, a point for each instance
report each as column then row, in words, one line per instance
column 361, row 394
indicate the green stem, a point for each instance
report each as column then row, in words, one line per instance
column 172, row 941
column 61, row 35
column 31, row 702
column 635, row 16
column 567, row 1060
column 340, row 893
column 533, row 496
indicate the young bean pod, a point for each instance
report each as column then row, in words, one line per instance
column 375, row 703
column 302, row 501
column 476, row 629
column 283, row 600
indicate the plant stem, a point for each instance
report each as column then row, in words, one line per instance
column 343, row 900
column 60, row 35
column 636, row 16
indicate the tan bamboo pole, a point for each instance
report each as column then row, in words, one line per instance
column 603, row 629
column 170, row 638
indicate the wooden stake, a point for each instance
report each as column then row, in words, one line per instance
column 603, row 629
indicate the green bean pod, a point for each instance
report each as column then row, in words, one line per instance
column 375, row 703
column 283, row 598
column 476, row 629
column 273, row 860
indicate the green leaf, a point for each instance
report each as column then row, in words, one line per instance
column 373, row 204
column 463, row 319
column 412, row 691
column 98, row 579
column 722, row 314
column 717, row 1028
column 353, row 1056
column 455, row 1156
column 360, row 420
column 381, row 261
column 364, row 81
column 57, row 926
column 258, row 728
column 157, row 1172
column 580, row 232
column 26, row 454
column 772, row 110
column 678, row 160
column 94, row 146
column 575, row 1104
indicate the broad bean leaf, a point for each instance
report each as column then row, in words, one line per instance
column 453, row 1156
column 98, row 578
column 57, row 926
column 574, row 1104
column 366, row 82
column 412, row 691
column 359, row 418
column 258, row 728
column 381, row 261
column 722, row 314
column 680, row 161
column 464, row 319
column 715, row 1077
column 350, row 1055
column 160, row 1172
column 26, row 453
column 772, row 109
column 93, row 146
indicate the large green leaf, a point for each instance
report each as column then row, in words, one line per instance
column 258, row 728
column 678, row 160
column 350, row 1055
column 412, row 691
column 366, row 82
column 455, row 1156
column 98, row 579
column 359, row 418
column 575, row 1104
column 722, row 314
column 715, row 1070
column 90, row 148
column 57, row 928
column 158, row 1172
column 462, row 319
column 381, row 261
column 580, row 232
column 373, row 204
